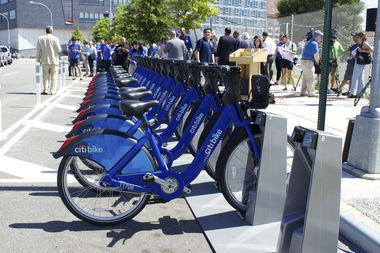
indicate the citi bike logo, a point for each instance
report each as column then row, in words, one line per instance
column 214, row 139
column 198, row 120
column 164, row 95
column 170, row 102
column 181, row 112
column 158, row 91
column 85, row 149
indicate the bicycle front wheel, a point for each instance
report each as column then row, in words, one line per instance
column 84, row 197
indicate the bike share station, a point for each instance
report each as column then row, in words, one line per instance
column 286, row 213
column 302, row 216
column 297, row 214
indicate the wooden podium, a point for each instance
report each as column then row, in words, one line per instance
column 249, row 60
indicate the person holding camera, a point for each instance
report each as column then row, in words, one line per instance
column 363, row 58
column 310, row 55
column 336, row 51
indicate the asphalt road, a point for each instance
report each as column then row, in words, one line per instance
column 32, row 216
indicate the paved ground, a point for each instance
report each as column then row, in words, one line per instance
column 34, row 212
column 31, row 210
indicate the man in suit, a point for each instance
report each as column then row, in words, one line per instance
column 48, row 49
column 226, row 46
column 175, row 48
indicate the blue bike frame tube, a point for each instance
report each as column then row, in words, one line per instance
column 178, row 91
column 208, row 103
column 229, row 116
column 182, row 108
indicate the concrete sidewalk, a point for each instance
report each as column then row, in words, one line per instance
column 360, row 198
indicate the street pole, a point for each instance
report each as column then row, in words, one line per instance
column 292, row 28
column 325, row 65
column 287, row 29
column 51, row 14
column 374, row 103
column 364, row 154
column 9, row 34
column 110, row 16
column 38, row 83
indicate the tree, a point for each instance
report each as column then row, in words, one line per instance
column 152, row 19
column 346, row 17
column 78, row 34
column 192, row 14
column 102, row 30
column 143, row 20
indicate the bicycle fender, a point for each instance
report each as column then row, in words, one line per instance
column 106, row 147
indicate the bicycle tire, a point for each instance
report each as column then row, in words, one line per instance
column 63, row 191
column 236, row 144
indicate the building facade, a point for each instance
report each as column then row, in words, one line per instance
column 27, row 21
column 241, row 15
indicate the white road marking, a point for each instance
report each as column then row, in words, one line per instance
column 74, row 96
column 10, row 73
column 21, row 121
column 26, row 171
column 48, row 126
column 62, row 106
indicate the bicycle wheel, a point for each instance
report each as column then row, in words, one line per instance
column 237, row 170
column 91, row 202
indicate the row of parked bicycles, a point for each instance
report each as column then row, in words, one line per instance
column 115, row 159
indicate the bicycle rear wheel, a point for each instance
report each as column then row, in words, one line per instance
column 238, row 169
column 84, row 197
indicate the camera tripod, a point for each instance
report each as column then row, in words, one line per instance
column 362, row 92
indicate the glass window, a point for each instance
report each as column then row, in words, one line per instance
column 96, row 15
column 12, row 14
column 92, row 2
column 68, row 11
column 91, row 15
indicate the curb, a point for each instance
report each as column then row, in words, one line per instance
column 359, row 173
column 358, row 229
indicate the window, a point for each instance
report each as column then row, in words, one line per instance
column 68, row 11
column 92, row 2
column 4, row 1
column 118, row 2
column 12, row 15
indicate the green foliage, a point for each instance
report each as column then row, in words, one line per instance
column 346, row 16
column 102, row 30
column 147, row 20
column 191, row 14
column 78, row 34
column 143, row 20
column 289, row 7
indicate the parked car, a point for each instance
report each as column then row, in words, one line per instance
column 7, row 55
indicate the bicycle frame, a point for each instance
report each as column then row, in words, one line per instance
column 231, row 115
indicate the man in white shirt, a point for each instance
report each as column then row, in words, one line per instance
column 270, row 45
column 48, row 49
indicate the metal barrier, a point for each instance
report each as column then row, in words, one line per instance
column 38, row 83
column 266, row 201
column 310, row 221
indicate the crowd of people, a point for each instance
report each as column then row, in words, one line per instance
column 213, row 49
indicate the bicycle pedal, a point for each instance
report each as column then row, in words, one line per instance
column 156, row 200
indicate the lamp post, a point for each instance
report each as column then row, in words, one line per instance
column 51, row 15
column 9, row 36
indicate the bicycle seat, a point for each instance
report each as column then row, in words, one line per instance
column 136, row 107
column 135, row 95
column 132, row 89
column 125, row 82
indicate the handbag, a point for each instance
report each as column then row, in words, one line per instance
column 363, row 58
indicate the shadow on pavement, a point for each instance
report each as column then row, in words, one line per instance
column 123, row 232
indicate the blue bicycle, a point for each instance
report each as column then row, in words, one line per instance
column 128, row 173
